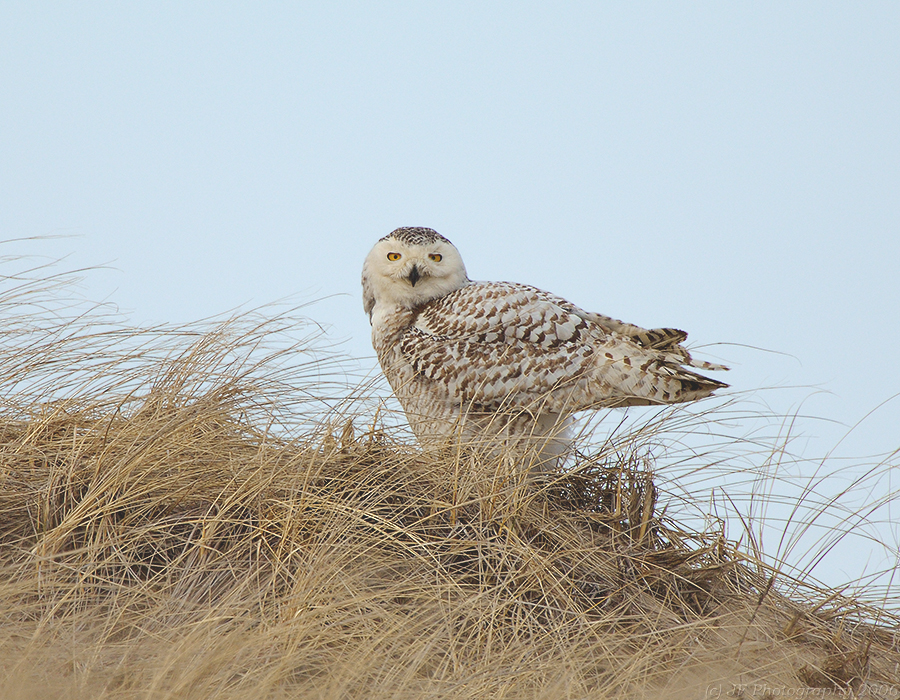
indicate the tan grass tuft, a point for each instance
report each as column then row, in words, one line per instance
column 170, row 531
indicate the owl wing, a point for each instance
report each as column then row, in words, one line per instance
column 667, row 340
column 495, row 345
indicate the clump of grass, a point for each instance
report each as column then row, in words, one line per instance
column 201, row 512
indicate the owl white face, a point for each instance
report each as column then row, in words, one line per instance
column 411, row 272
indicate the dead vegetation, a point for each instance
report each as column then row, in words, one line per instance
column 168, row 533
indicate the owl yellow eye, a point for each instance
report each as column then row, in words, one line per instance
column 393, row 256
column 436, row 257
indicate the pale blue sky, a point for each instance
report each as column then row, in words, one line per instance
column 730, row 169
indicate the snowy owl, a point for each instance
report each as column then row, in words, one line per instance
column 504, row 364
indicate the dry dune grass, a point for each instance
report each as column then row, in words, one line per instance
column 171, row 529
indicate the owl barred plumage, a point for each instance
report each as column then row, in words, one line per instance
column 506, row 364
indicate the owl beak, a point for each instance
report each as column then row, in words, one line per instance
column 414, row 275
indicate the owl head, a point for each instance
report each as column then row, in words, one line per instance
column 409, row 267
